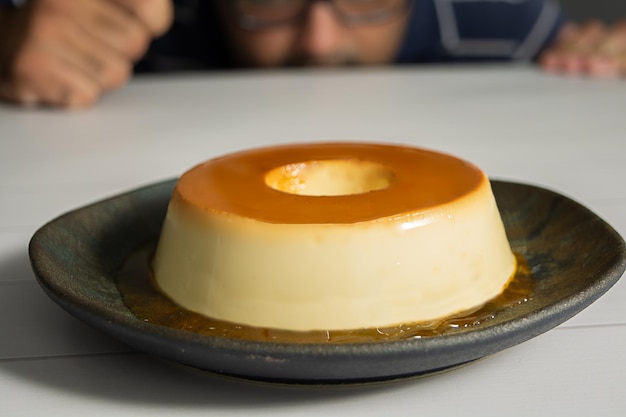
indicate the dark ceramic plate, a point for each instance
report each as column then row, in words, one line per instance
column 575, row 257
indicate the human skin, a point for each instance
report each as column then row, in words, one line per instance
column 592, row 49
column 66, row 53
column 319, row 40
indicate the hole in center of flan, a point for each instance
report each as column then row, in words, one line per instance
column 334, row 177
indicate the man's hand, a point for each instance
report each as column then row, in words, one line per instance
column 592, row 49
column 68, row 53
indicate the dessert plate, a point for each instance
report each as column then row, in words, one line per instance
column 573, row 255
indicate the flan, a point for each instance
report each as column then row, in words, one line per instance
column 332, row 236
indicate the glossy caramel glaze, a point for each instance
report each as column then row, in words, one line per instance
column 235, row 184
column 147, row 303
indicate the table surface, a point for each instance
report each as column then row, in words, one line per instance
column 514, row 122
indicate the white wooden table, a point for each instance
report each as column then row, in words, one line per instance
column 518, row 124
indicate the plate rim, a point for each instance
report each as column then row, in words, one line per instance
column 285, row 362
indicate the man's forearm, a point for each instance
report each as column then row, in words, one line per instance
column 69, row 53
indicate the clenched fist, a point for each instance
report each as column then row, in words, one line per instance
column 68, row 53
column 593, row 49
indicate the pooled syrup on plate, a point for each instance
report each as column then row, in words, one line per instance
column 146, row 302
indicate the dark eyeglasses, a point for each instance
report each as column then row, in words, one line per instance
column 268, row 14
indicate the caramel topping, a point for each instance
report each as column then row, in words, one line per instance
column 236, row 184
column 148, row 303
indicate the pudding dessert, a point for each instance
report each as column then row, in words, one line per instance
column 332, row 236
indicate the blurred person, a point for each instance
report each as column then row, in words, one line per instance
column 68, row 53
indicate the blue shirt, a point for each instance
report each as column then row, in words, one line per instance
column 468, row 30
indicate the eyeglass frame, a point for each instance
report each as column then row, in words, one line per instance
column 250, row 23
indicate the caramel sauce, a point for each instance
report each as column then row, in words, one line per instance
column 147, row 303
column 235, row 184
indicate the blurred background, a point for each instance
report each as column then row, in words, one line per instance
column 606, row 10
